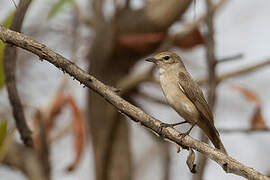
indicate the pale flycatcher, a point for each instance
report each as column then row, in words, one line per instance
column 185, row 96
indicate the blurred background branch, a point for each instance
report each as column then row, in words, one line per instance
column 10, row 60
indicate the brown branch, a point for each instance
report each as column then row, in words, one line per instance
column 10, row 59
column 212, row 79
column 229, row 164
column 42, row 147
column 210, row 55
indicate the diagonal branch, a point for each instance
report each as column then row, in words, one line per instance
column 229, row 164
column 238, row 72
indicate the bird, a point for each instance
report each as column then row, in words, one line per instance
column 185, row 96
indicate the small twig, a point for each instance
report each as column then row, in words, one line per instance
column 13, row 2
column 230, row 58
column 244, row 130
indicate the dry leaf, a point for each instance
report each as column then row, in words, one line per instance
column 78, row 131
column 190, row 161
column 142, row 41
column 55, row 109
column 191, row 40
column 77, row 124
column 257, row 121
column 250, row 95
column 145, row 41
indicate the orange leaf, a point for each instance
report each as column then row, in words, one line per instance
column 77, row 124
column 257, row 121
column 250, row 95
column 191, row 40
column 56, row 108
column 142, row 41
column 78, row 131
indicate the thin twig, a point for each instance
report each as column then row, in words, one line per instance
column 13, row 2
column 230, row 58
column 229, row 164
column 244, row 130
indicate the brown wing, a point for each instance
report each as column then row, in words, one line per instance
column 195, row 94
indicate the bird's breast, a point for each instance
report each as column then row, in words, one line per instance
column 176, row 98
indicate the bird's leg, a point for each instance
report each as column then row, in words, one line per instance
column 164, row 125
column 187, row 133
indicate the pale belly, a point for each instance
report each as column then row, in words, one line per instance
column 178, row 100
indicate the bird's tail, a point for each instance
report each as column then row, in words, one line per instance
column 213, row 135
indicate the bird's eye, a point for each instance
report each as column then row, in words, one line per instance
column 166, row 57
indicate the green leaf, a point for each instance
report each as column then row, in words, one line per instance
column 3, row 131
column 57, row 7
column 7, row 22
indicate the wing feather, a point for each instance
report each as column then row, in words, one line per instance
column 193, row 91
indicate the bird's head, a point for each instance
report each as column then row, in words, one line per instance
column 166, row 60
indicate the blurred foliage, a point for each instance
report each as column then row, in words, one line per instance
column 6, row 137
column 57, row 7
column 6, row 23
column 3, row 131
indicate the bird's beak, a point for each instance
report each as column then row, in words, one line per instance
column 151, row 59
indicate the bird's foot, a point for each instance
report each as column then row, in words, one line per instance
column 183, row 135
column 165, row 125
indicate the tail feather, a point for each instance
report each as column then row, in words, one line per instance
column 213, row 135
